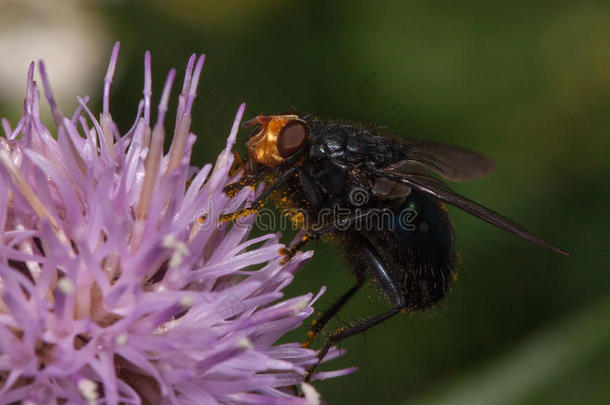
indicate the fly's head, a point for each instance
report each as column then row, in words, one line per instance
column 275, row 138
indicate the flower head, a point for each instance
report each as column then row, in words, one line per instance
column 117, row 284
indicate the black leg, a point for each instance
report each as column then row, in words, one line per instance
column 315, row 234
column 328, row 314
column 279, row 182
column 249, row 178
column 377, row 270
column 367, row 256
column 351, row 330
column 310, row 189
column 260, row 200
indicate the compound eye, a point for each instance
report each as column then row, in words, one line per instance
column 292, row 136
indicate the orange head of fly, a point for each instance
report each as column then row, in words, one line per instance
column 276, row 138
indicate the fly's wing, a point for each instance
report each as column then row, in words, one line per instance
column 441, row 191
column 448, row 161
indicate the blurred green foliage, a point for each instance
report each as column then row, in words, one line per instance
column 527, row 83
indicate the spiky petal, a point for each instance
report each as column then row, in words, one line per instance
column 117, row 284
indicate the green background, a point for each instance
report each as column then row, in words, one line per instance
column 527, row 84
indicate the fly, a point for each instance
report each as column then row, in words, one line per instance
column 390, row 194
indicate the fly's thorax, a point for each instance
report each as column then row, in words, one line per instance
column 352, row 143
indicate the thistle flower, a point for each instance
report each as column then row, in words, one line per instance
column 117, row 284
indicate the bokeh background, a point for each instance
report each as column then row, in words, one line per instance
column 527, row 83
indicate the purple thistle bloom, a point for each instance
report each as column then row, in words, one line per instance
column 117, row 284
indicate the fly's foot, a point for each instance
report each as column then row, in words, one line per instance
column 290, row 251
column 288, row 254
column 316, row 328
column 234, row 216
column 309, row 372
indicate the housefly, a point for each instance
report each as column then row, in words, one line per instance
column 380, row 197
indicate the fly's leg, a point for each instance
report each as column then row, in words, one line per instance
column 349, row 331
column 248, row 179
column 377, row 271
column 315, row 234
column 260, row 200
column 318, row 324
column 238, row 165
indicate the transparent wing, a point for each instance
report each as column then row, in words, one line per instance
column 444, row 193
column 449, row 161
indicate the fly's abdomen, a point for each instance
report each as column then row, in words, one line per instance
column 416, row 244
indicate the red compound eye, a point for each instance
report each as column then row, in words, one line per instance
column 292, row 137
